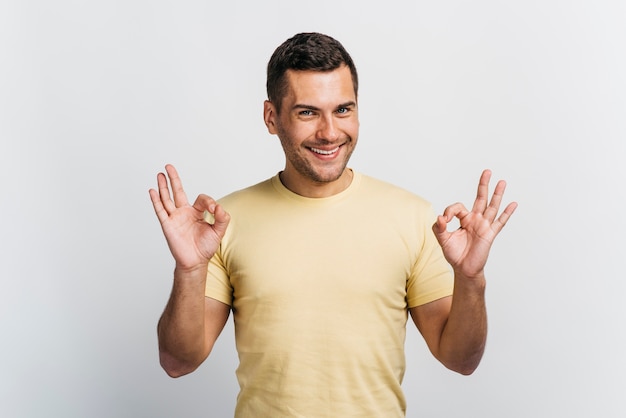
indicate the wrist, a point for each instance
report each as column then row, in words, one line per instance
column 197, row 270
column 475, row 281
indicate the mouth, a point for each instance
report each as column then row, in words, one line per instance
column 324, row 151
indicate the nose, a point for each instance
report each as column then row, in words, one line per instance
column 327, row 129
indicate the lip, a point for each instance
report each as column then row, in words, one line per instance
column 326, row 152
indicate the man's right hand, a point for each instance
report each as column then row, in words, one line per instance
column 191, row 239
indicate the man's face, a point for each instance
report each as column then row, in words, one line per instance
column 318, row 127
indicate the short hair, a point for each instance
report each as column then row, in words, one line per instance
column 305, row 51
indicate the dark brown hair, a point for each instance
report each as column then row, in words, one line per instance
column 305, row 51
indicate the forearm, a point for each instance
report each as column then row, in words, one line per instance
column 182, row 343
column 464, row 336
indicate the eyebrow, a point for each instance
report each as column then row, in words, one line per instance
column 311, row 107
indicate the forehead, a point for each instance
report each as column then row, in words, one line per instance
column 320, row 87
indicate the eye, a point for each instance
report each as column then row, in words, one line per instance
column 342, row 111
column 306, row 112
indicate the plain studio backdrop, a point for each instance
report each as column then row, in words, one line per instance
column 96, row 97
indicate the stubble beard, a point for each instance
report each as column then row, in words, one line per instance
column 306, row 169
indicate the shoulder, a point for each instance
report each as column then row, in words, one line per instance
column 384, row 191
column 256, row 192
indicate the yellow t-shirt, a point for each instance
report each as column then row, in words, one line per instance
column 319, row 290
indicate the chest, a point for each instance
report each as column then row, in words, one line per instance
column 334, row 257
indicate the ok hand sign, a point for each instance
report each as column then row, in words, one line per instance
column 467, row 248
column 191, row 239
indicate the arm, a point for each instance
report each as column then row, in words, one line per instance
column 189, row 325
column 455, row 328
column 191, row 322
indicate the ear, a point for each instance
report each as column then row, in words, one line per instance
column 269, row 116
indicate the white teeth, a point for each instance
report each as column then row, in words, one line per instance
column 323, row 152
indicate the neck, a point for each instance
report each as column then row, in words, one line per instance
column 315, row 189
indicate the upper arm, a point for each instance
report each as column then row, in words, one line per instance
column 431, row 319
column 215, row 316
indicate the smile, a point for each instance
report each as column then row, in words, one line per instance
column 324, row 152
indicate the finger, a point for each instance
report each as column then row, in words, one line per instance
column 160, row 211
column 164, row 193
column 499, row 223
column 180, row 197
column 440, row 229
column 204, row 202
column 457, row 210
column 222, row 218
column 205, row 206
column 482, row 195
column 494, row 206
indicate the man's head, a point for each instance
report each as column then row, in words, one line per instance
column 312, row 108
column 305, row 51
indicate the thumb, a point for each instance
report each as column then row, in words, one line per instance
column 212, row 213
column 440, row 229
column 222, row 218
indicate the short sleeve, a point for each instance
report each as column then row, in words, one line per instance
column 431, row 276
column 218, row 285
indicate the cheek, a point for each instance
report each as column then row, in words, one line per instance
column 294, row 134
column 352, row 130
column 288, row 140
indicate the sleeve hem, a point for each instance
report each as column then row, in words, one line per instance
column 220, row 297
column 431, row 297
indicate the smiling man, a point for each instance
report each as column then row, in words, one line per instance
column 318, row 127
column 322, row 265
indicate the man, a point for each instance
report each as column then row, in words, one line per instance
column 322, row 265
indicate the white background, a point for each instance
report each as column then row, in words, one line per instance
column 96, row 97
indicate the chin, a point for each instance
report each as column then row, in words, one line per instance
column 329, row 177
